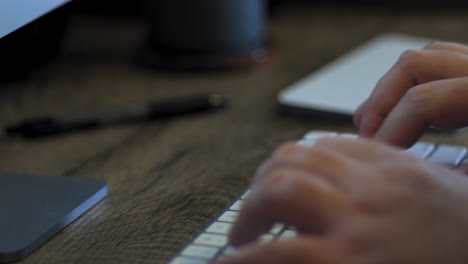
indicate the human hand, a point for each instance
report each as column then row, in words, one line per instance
column 427, row 87
column 354, row 202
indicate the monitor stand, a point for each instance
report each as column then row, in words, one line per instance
column 33, row 208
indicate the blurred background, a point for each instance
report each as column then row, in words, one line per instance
column 47, row 35
column 123, row 7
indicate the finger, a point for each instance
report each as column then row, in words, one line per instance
column 414, row 67
column 329, row 164
column 436, row 45
column 358, row 114
column 358, row 150
column 440, row 104
column 301, row 250
column 447, row 46
column 288, row 196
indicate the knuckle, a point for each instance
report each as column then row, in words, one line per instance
column 409, row 58
column 285, row 150
column 280, row 183
column 276, row 177
column 435, row 45
column 393, row 176
column 419, row 95
column 279, row 178
column 324, row 156
column 391, row 173
column 409, row 176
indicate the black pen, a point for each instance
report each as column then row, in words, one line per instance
column 48, row 125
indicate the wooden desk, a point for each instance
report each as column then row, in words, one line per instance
column 168, row 178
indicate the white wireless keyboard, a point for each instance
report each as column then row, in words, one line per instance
column 212, row 242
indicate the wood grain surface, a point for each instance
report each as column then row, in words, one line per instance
column 169, row 177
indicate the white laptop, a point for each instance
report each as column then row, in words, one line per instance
column 342, row 85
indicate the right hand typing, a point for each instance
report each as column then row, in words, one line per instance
column 427, row 87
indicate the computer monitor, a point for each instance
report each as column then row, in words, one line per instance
column 15, row 14
column 33, row 208
column 30, row 34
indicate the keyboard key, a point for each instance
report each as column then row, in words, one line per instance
column 200, row 252
column 288, row 234
column 229, row 216
column 236, row 206
column 246, row 194
column 212, row 240
column 266, row 238
column 183, row 260
column 276, row 229
column 314, row 135
column 448, row 155
column 219, row 228
column 229, row 251
column 350, row 136
column 422, row 150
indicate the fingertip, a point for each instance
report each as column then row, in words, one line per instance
column 247, row 228
column 357, row 119
column 404, row 137
column 299, row 250
column 364, row 129
column 238, row 238
column 403, row 126
column 358, row 114
column 369, row 125
column 396, row 139
column 235, row 240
